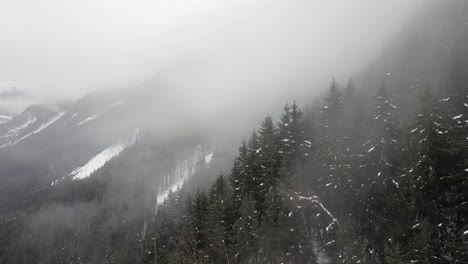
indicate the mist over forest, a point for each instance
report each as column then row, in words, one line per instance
column 260, row 131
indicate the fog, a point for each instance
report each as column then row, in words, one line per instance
column 136, row 106
column 65, row 49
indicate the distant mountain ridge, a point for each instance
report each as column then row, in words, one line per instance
column 9, row 92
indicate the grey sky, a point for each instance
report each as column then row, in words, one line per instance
column 65, row 48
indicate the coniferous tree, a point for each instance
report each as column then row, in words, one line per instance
column 194, row 228
column 294, row 147
column 268, row 157
column 285, row 148
column 219, row 215
column 381, row 171
column 330, row 183
column 273, row 228
column 439, row 189
column 246, row 233
column 238, row 178
column 253, row 180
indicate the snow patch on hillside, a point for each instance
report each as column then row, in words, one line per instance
column 15, row 130
column 38, row 130
column 89, row 119
column 184, row 169
column 102, row 158
column 209, row 157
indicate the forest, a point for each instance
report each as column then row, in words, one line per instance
column 332, row 182
column 374, row 172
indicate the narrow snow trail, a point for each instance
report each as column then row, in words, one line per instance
column 100, row 112
column 38, row 130
column 89, row 119
column 102, row 158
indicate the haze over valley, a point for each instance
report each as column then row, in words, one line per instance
column 210, row 131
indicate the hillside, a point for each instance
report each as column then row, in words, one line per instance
column 374, row 172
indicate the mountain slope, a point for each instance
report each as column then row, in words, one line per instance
column 363, row 177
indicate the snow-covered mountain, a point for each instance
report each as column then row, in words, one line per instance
column 31, row 121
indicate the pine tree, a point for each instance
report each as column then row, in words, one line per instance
column 384, row 151
column 293, row 146
column 254, row 178
column 334, row 102
column 245, row 232
column 330, row 184
column 354, row 120
column 273, row 228
column 219, row 232
column 194, row 231
column 437, row 176
column 268, row 159
column 385, row 201
column 239, row 176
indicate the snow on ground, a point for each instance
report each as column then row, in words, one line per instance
column 39, row 129
column 102, row 158
column 183, row 170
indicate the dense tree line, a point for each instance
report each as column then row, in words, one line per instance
column 393, row 192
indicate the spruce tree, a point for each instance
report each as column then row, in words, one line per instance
column 294, row 147
column 246, row 233
column 439, row 194
column 268, row 159
column 219, row 214
column 385, row 201
column 330, row 184
column 194, row 230
column 238, row 178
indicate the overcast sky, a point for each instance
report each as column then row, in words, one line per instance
column 66, row 48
